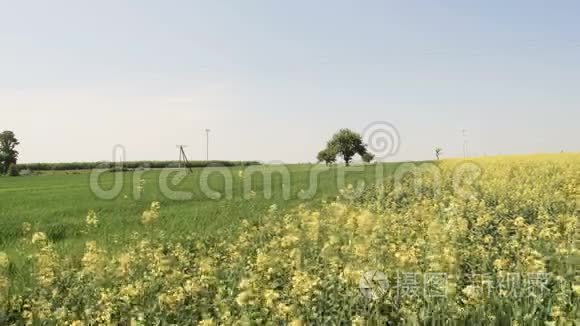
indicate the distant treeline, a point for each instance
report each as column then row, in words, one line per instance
column 126, row 165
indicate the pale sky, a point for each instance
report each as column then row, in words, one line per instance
column 274, row 80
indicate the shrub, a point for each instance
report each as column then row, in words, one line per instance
column 13, row 170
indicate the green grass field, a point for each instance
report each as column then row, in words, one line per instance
column 57, row 204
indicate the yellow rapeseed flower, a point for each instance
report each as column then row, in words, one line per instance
column 26, row 227
column 4, row 261
column 92, row 220
column 207, row 322
column 152, row 214
column 39, row 237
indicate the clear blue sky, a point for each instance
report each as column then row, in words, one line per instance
column 273, row 79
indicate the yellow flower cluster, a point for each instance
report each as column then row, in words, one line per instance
column 4, row 261
column 93, row 261
column 152, row 214
column 4, row 284
column 26, row 228
column 92, row 220
column 47, row 263
column 506, row 252
column 39, row 237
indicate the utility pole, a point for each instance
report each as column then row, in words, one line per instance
column 207, row 144
column 181, row 154
column 183, row 157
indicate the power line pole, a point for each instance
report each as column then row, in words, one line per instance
column 181, row 154
column 183, row 158
column 207, row 144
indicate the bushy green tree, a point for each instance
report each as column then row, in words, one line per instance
column 327, row 156
column 347, row 143
column 8, row 153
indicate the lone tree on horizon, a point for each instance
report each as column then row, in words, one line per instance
column 438, row 152
column 326, row 156
column 347, row 144
column 8, row 153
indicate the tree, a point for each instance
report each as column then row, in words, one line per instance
column 8, row 153
column 327, row 156
column 368, row 157
column 347, row 143
column 438, row 152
